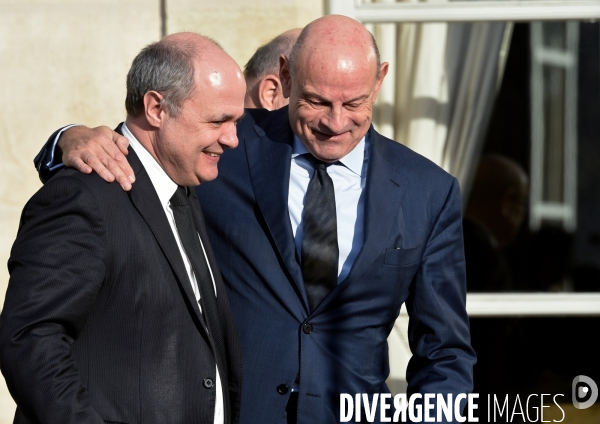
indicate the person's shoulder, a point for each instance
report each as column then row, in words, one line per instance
column 257, row 123
column 70, row 174
column 409, row 162
column 70, row 179
column 256, row 115
column 263, row 120
column 67, row 192
column 264, row 117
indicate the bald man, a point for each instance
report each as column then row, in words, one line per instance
column 264, row 88
column 116, row 310
column 322, row 229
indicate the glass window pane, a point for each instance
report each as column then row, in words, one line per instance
column 554, row 257
column 554, row 133
column 554, row 35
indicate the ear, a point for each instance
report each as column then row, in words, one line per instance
column 284, row 75
column 383, row 70
column 269, row 91
column 153, row 108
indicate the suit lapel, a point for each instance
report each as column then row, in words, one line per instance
column 269, row 162
column 146, row 201
column 384, row 190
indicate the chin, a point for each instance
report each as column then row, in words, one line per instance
column 332, row 154
column 206, row 178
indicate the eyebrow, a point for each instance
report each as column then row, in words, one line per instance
column 322, row 99
column 227, row 117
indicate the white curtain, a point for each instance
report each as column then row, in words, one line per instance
column 444, row 79
column 437, row 100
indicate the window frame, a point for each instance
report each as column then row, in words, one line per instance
column 489, row 304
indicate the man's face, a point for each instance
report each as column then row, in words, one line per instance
column 191, row 143
column 331, row 106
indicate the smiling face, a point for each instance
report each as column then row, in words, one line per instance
column 333, row 87
column 188, row 146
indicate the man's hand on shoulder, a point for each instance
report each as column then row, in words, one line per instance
column 97, row 149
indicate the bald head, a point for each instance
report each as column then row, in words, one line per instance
column 332, row 79
column 343, row 37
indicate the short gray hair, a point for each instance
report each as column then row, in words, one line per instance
column 293, row 56
column 266, row 59
column 164, row 67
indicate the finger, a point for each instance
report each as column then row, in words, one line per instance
column 80, row 165
column 115, row 168
column 99, row 149
column 106, row 148
column 121, row 142
column 125, row 169
column 98, row 167
column 117, row 149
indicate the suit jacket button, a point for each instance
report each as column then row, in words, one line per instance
column 282, row 389
column 208, row 383
column 307, row 328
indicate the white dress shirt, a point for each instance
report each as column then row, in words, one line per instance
column 165, row 188
column 348, row 176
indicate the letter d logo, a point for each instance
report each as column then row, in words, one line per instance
column 584, row 388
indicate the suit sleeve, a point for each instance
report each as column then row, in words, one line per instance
column 46, row 162
column 56, row 268
column 438, row 331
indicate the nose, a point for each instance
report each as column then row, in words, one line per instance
column 334, row 120
column 228, row 138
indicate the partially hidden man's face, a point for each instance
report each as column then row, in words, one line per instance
column 192, row 143
column 331, row 103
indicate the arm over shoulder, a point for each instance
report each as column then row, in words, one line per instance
column 48, row 162
column 99, row 149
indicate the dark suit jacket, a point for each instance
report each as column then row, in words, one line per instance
column 100, row 323
column 412, row 254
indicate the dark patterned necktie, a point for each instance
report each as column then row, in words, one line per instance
column 188, row 233
column 320, row 253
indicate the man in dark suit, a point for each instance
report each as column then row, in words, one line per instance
column 115, row 309
column 322, row 229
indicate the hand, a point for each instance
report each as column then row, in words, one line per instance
column 97, row 149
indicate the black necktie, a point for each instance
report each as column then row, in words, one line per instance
column 188, row 233
column 320, row 251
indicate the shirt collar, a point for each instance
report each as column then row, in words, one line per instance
column 353, row 160
column 165, row 187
